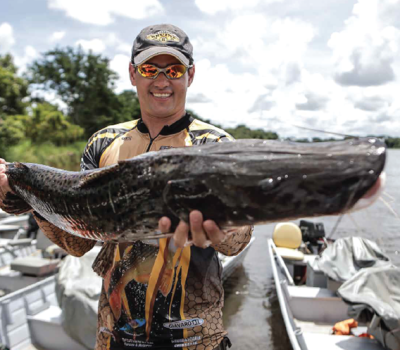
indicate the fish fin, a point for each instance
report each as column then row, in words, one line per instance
column 97, row 175
column 104, row 259
column 15, row 205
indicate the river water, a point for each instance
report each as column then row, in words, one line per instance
column 251, row 312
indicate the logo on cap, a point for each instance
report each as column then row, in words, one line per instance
column 163, row 36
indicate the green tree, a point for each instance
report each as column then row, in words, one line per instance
column 12, row 132
column 194, row 115
column 48, row 124
column 243, row 132
column 13, row 89
column 129, row 107
column 85, row 83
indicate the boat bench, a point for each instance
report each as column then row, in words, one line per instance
column 48, row 333
column 315, row 304
column 314, row 341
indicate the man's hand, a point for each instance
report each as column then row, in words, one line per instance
column 4, row 185
column 203, row 232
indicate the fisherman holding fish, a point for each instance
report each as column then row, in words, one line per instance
column 166, row 293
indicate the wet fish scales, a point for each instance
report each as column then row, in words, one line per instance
column 233, row 183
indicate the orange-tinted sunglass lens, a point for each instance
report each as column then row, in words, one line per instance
column 176, row 71
column 148, row 70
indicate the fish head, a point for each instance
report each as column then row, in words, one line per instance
column 329, row 177
column 268, row 181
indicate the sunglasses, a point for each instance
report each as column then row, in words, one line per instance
column 150, row 71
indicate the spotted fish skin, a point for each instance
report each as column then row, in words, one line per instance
column 236, row 183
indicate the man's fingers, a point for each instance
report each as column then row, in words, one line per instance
column 196, row 228
column 4, row 187
column 214, row 233
column 2, row 161
column 164, row 224
column 181, row 234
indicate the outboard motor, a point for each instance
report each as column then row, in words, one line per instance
column 313, row 235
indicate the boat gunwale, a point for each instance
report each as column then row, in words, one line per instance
column 293, row 334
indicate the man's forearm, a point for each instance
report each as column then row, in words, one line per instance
column 73, row 245
column 236, row 241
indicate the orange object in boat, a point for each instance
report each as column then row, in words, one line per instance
column 366, row 335
column 343, row 327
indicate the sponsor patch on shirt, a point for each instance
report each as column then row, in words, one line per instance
column 190, row 323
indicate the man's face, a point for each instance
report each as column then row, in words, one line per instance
column 162, row 97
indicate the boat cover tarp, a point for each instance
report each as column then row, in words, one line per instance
column 346, row 256
column 78, row 291
column 376, row 290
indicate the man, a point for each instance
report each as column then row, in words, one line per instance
column 167, row 293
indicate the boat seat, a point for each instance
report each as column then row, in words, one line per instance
column 316, row 304
column 287, row 238
column 35, row 266
column 290, row 254
column 332, row 342
column 54, row 252
column 48, row 333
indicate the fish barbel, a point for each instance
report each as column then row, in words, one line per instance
column 233, row 183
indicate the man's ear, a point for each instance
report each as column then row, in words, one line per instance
column 132, row 74
column 191, row 72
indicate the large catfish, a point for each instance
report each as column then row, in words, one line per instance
column 234, row 183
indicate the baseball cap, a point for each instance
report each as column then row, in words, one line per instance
column 162, row 39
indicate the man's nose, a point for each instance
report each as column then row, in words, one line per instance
column 161, row 81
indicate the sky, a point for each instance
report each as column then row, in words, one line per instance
column 331, row 65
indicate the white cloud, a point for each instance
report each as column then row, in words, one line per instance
column 124, row 47
column 112, row 40
column 264, row 83
column 57, row 36
column 269, row 83
column 120, row 64
column 365, row 49
column 211, row 7
column 227, row 96
column 95, row 45
column 274, row 47
column 103, row 12
column 372, row 103
column 30, row 54
column 52, row 97
column 6, row 37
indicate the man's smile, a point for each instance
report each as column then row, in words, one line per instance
column 161, row 95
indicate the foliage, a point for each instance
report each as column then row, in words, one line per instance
column 129, row 106
column 84, row 82
column 12, row 131
column 243, row 132
column 45, row 124
column 62, row 157
column 48, row 124
column 392, row 142
column 13, row 89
